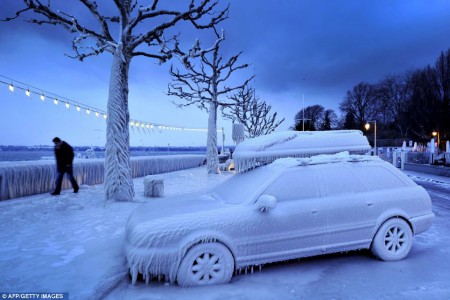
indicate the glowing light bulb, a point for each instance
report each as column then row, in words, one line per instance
column 88, row 111
column 131, row 123
column 42, row 97
column 104, row 116
column 78, row 108
column 28, row 93
column 67, row 105
column 96, row 113
column 11, row 87
column 55, row 101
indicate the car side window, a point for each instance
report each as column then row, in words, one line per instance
column 378, row 177
column 294, row 185
column 340, row 180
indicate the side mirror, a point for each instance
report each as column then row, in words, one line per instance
column 266, row 202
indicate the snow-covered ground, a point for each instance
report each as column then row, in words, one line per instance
column 73, row 243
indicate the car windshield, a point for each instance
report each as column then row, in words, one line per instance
column 242, row 187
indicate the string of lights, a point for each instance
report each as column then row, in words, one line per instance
column 28, row 90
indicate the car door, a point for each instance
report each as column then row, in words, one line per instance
column 296, row 226
column 352, row 209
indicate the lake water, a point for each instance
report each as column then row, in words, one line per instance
column 26, row 155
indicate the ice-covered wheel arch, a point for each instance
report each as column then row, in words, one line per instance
column 393, row 240
column 205, row 264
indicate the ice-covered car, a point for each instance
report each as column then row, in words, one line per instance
column 291, row 208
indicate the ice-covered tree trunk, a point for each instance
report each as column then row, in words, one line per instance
column 211, row 151
column 118, row 181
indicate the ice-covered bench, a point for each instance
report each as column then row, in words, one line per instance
column 153, row 186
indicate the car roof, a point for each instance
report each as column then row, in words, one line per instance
column 289, row 162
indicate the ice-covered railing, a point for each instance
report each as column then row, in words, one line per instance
column 24, row 178
column 265, row 149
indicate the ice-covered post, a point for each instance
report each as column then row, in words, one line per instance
column 223, row 140
column 238, row 134
column 447, row 152
column 431, row 150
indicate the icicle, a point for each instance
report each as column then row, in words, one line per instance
column 134, row 274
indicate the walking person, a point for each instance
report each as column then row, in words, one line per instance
column 64, row 159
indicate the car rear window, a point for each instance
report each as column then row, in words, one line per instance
column 378, row 177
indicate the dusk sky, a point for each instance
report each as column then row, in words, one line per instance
column 319, row 49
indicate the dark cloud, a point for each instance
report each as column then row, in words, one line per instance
column 316, row 48
column 336, row 44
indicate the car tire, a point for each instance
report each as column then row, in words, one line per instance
column 393, row 240
column 204, row 264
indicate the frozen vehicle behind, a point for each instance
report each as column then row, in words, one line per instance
column 289, row 209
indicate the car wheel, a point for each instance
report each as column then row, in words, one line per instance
column 203, row 264
column 393, row 240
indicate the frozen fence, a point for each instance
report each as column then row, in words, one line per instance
column 24, row 178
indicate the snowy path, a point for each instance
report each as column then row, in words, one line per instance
column 73, row 243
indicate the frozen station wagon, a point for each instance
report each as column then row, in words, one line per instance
column 291, row 208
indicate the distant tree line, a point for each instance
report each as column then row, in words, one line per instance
column 408, row 105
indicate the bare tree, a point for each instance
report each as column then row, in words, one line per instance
column 204, row 85
column 140, row 32
column 311, row 116
column 394, row 92
column 254, row 114
column 362, row 104
column 442, row 67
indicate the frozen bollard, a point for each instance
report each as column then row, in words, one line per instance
column 153, row 186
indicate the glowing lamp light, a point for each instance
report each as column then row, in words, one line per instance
column 96, row 113
column 137, row 124
column 88, row 111
column 55, row 101
column 434, row 133
column 42, row 97
column 367, row 126
column 104, row 116
column 11, row 87
column 28, row 93
column 78, row 108
column 67, row 105
column 131, row 123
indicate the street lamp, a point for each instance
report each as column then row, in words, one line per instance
column 367, row 126
column 436, row 133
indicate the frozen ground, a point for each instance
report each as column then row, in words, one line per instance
column 73, row 243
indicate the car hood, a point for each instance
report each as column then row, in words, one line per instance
column 173, row 206
column 167, row 219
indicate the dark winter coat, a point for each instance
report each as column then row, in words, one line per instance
column 64, row 156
